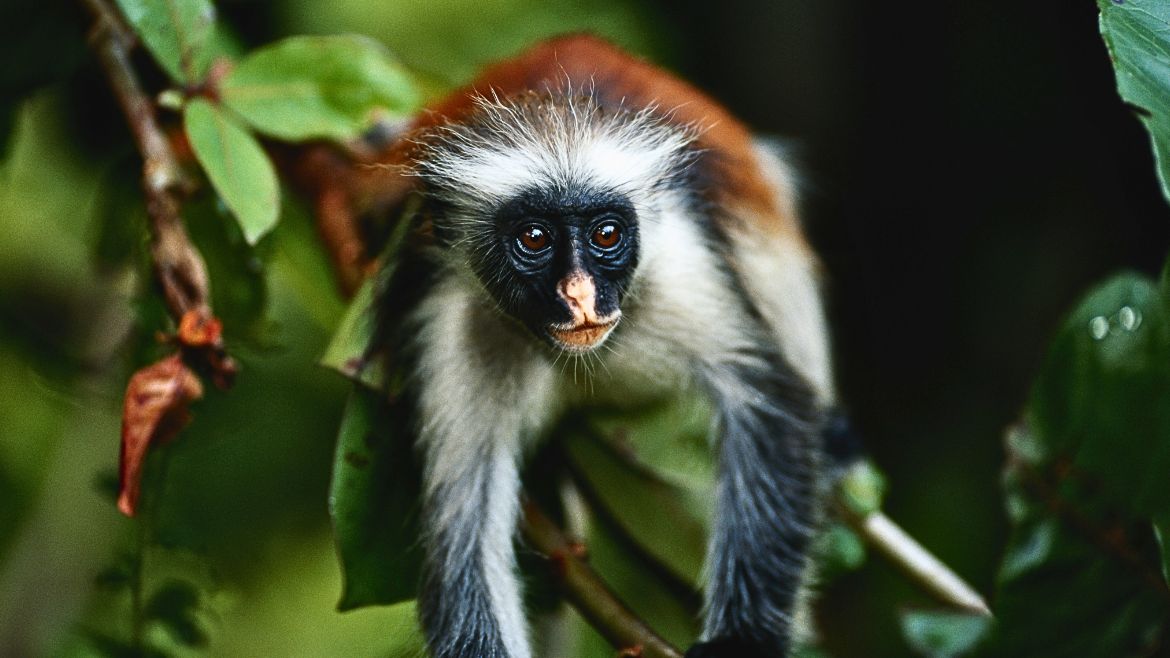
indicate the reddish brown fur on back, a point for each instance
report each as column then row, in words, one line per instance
column 616, row 79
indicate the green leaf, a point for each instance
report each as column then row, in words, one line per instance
column 347, row 350
column 667, row 439
column 1074, row 581
column 1100, row 399
column 176, row 32
column 174, row 605
column 318, row 87
column 237, row 166
column 939, row 634
column 1162, row 535
column 667, row 521
column 838, row 549
column 1085, row 477
column 373, row 503
column 1137, row 33
column 862, row 488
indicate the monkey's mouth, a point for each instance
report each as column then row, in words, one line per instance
column 582, row 337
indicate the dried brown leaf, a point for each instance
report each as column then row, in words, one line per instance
column 155, row 410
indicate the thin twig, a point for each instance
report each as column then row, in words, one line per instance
column 589, row 594
column 179, row 268
column 178, row 265
column 1113, row 543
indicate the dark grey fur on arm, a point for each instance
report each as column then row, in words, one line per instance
column 766, row 507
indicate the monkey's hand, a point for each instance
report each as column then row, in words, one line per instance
column 730, row 647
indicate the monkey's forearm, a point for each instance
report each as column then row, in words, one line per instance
column 765, row 511
column 470, row 604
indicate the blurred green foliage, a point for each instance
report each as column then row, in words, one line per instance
column 234, row 556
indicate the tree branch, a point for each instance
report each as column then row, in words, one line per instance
column 178, row 265
column 588, row 593
column 917, row 563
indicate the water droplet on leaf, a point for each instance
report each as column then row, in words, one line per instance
column 1099, row 327
column 1129, row 318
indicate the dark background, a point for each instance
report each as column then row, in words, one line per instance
column 969, row 171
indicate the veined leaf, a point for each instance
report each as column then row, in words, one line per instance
column 1138, row 35
column 176, row 32
column 318, row 87
column 237, row 166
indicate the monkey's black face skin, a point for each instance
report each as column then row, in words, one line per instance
column 560, row 261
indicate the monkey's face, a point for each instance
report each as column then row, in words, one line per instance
column 538, row 194
column 559, row 262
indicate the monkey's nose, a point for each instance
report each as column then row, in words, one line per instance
column 580, row 295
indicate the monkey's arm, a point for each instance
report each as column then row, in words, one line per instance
column 479, row 392
column 470, row 602
column 766, row 507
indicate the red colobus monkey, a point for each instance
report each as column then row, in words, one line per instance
column 576, row 202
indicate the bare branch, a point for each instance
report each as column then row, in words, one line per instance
column 589, row 594
column 178, row 265
column 919, row 564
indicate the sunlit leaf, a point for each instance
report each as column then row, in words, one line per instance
column 154, row 411
column 237, row 166
column 347, row 351
column 941, row 634
column 176, row 32
column 318, row 87
column 667, row 521
column 666, row 438
column 373, row 502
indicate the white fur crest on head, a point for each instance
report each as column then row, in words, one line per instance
column 560, row 140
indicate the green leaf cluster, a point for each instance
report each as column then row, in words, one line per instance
column 1086, row 484
column 1086, row 569
column 297, row 89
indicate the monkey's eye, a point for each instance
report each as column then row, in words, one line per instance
column 533, row 238
column 607, row 235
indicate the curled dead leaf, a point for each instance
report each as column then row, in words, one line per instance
column 154, row 411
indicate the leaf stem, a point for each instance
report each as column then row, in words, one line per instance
column 178, row 265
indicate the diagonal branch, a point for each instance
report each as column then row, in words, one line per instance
column 588, row 593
